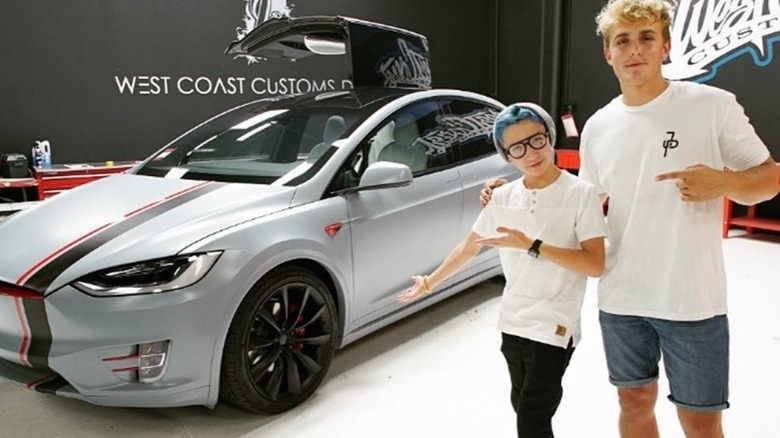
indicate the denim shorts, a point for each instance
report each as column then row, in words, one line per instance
column 695, row 355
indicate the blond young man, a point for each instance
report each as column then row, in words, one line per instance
column 658, row 151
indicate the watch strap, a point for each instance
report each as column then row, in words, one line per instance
column 533, row 251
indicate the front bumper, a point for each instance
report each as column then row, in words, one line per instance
column 90, row 351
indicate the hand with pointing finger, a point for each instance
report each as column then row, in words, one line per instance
column 697, row 183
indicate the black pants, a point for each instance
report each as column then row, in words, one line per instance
column 536, row 370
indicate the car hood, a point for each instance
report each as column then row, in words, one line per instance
column 123, row 219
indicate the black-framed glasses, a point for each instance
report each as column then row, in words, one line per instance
column 519, row 149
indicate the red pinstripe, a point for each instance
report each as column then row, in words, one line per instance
column 26, row 275
column 20, row 281
column 48, row 258
column 42, row 380
column 25, row 332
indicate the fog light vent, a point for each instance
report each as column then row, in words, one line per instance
column 153, row 357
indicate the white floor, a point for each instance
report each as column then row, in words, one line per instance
column 439, row 373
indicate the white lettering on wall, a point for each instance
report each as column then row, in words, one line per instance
column 227, row 86
column 710, row 33
column 143, row 84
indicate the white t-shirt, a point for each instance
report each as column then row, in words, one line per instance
column 542, row 300
column 664, row 257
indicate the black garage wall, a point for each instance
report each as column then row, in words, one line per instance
column 117, row 79
column 67, row 67
column 530, row 51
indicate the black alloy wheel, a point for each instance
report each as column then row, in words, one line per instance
column 280, row 343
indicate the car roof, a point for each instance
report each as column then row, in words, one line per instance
column 357, row 98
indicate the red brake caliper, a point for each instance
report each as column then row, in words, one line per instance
column 298, row 332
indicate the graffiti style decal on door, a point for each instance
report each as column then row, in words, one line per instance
column 707, row 34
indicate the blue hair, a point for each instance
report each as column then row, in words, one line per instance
column 518, row 112
column 509, row 116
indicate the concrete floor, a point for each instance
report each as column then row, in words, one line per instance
column 439, row 373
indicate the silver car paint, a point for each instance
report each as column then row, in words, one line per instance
column 258, row 228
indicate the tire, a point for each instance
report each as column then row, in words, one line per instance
column 280, row 343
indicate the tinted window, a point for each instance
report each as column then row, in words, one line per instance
column 264, row 141
column 410, row 136
column 406, row 136
column 470, row 127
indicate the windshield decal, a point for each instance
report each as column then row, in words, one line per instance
column 708, row 34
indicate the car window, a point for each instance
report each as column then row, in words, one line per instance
column 470, row 127
column 410, row 136
column 403, row 138
column 255, row 146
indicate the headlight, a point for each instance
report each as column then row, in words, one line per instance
column 152, row 276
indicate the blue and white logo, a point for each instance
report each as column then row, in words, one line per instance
column 707, row 34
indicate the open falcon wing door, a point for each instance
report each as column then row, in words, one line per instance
column 377, row 55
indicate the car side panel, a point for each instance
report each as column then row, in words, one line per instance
column 399, row 232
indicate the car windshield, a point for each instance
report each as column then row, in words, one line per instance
column 259, row 142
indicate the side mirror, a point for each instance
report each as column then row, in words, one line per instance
column 383, row 175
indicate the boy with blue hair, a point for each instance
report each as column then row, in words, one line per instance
column 549, row 228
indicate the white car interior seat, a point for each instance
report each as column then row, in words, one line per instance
column 334, row 127
column 405, row 148
column 382, row 138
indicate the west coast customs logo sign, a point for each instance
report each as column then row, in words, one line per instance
column 400, row 64
column 707, row 34
column 255, row 13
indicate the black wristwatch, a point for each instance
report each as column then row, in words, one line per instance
column 533, row 251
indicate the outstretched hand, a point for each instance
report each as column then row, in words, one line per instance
column 696, row 183
column 510, row 238
column 487, row 190
column 414, row 292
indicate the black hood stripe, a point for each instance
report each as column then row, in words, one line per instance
column 49, row 385
column 36, row 344
column 313, row 170
column 45, row 276
column 37, row 354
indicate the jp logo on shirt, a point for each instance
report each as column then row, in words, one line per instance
column 671, row 143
